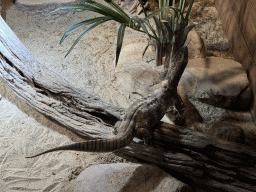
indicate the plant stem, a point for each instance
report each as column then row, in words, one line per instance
column 159, row 54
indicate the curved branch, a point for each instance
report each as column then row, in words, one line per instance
column 47, row 92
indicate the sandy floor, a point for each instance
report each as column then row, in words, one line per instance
column 24, row 131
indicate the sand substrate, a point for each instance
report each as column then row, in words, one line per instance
column 24, row 131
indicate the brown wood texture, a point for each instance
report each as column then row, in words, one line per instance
column 239, row 22
column 205, row 161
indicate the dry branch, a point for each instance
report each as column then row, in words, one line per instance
column 205, row 161
column 51, row 95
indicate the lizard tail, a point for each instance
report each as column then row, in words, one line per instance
column 99, row 145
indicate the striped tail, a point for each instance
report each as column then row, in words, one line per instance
column 100, row 145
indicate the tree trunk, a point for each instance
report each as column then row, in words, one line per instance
column 204, row 160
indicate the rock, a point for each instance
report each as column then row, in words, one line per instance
column 239, row 25
column 133, row 53
column 137, row 74
column 227, row 131
column 196, row 47
column 134, row 80
column 214, row 63
column 127, row 177
column 134, row 75
column 205, row 83
column 208, row 85
column 212, row 84
column 213, row 76
column 209, row 26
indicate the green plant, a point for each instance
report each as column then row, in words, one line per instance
column 172, row 32
column 169, row 34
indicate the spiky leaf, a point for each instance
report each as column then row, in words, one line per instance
column 108, row 9
column 159, row 29
column 145, row 50
column 168, row 26
column 189, row 9
column 150, row 27
column 80, row 25
column 142, row 25
column 156, row 12
column 188, row 28
column 118, row 9
column 120, row 38
column 143, row 8
column 86, row 31
column 103, row 10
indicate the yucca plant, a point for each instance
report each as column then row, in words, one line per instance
column 168, row 34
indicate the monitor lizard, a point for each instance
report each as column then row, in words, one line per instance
column 142, row 114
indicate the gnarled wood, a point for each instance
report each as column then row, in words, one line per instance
column 206, row 161
column 51, row 95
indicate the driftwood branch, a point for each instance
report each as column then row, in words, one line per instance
column 203, row 160
column 51, row 95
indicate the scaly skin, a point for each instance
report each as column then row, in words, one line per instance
column 144, row 113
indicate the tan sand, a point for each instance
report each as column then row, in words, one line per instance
column 24, row 131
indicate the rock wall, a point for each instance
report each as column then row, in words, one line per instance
column 238, row 20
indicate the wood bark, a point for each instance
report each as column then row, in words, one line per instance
column 206, row 161
column 50, row 94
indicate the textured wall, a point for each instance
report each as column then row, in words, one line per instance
column 238, row 18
